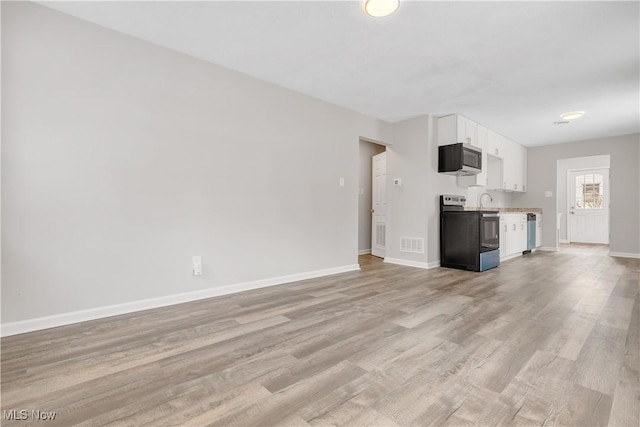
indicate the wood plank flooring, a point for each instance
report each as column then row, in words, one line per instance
column 546, row 339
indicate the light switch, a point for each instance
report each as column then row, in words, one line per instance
column 197, row 265
column 548, row 193
column 397, row 182
column 341, row 181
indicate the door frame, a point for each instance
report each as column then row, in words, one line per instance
column 568, row 198
column 375, row 251
column 386, row 149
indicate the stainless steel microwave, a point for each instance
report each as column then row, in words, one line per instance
column 459, row 159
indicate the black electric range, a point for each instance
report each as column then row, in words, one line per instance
column 469, row 240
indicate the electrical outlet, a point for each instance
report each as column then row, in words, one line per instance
column 197, row 265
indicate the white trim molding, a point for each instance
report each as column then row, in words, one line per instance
column 511, row 256
column 433, row 264
column 364, row 251
column 624, row 254
column 30, row 325
column 564, row 241
column 407, row 263
column 548, row 249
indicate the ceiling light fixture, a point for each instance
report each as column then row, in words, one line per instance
column 570, row 115
column 380, row 8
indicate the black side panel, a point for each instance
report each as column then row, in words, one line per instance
column 460, row 240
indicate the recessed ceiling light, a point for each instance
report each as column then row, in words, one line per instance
column 380, row 8
column 570, row 115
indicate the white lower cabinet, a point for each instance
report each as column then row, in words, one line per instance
column 538, row 230
column 503, row 237
column 513, row 235
column 520, row 241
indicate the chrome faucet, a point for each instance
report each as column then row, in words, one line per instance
column 480, row 199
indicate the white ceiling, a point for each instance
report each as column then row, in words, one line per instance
column 511, row 66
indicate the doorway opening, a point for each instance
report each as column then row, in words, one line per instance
column 372, row 201
column 588, row 220
column 583, row 201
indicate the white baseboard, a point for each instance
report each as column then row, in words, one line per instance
column 512, row 256
column 433, row 264
column 624, row 255
column 30, row 325
column 407, row 263
column 564, row 241
column 548, row 249
column 364, row 252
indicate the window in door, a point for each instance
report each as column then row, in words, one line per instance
column 589, row 191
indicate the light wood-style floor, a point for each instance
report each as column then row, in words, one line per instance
column 547, row 339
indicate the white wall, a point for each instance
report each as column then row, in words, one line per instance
column 366, row 152
column 122, row 159
column 624, row 183
column 406, row 159
column 564, row 166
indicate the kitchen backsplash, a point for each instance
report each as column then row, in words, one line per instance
column 508, row 210
column 499, row 198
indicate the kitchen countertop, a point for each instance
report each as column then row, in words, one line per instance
column 506, row 210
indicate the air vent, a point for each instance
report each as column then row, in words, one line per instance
column 412, row 244
column 381, row 235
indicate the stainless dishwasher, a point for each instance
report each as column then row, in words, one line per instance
column 531, row 232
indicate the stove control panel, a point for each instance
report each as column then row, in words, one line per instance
column 450, row 200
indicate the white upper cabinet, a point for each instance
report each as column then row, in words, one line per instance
column 508, row 170
column 519, row 160
column 468, row 130
column 514, row 164
column 494, row 144
column 479, row 180
column 457, row 128
column 510, row 166
column 504, row 163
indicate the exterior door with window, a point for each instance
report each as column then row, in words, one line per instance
column 589, row 206
column 379, row 205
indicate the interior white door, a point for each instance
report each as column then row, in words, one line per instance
column 379, row 205
column 589, row 206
